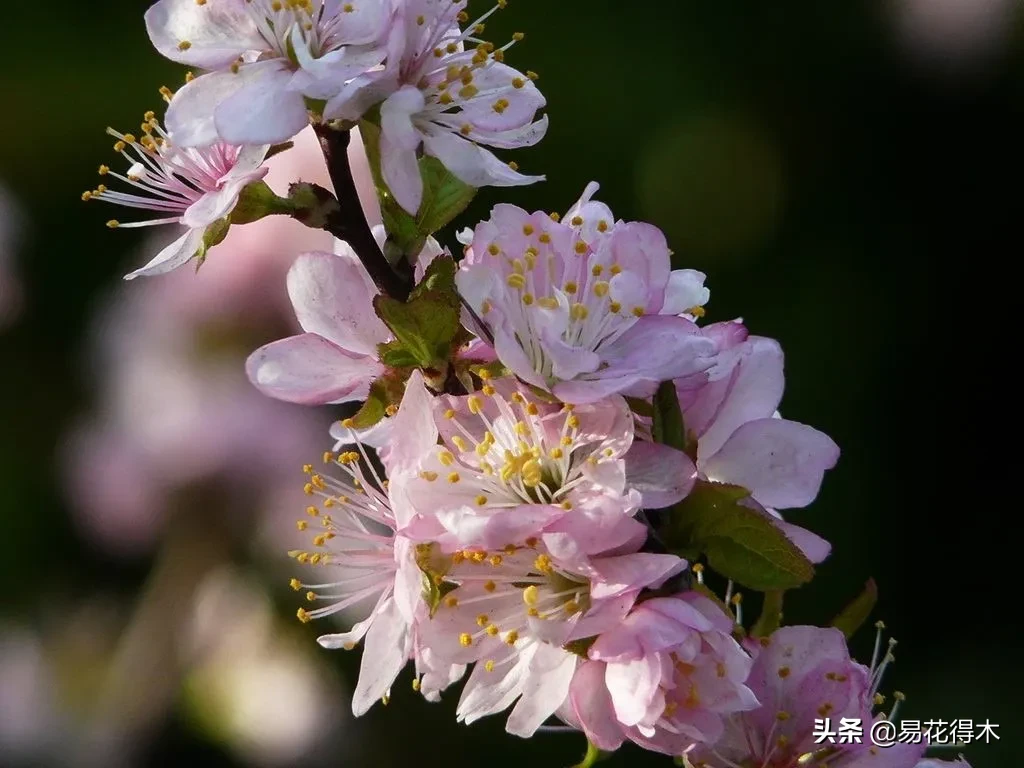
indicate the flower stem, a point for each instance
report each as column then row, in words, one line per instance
column 349, row 223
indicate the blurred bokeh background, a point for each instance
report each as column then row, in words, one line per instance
column 844, row 174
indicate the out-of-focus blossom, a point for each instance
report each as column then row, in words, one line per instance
column 585, row 307
column 10, row 284
column 251, row 684
column 175, row 411
column 27, row 707
column 192, row 187
column 954, row 32
column 265, row 59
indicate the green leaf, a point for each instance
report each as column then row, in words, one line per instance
column 853, row 616
column 373, row 409
column 444, row 196
column 739, row 542
column 771, row 614
column 425, row 326
column 394, row 355
column 440, row 276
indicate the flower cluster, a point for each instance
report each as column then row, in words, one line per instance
column 549, row 458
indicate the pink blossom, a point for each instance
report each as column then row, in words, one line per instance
column 513, row 610
column 448, row 100
column 174, row 410
column 666, row 677
column 799, row 674
column 741, row 439
column 586, row 307
column 265, row 59
column 509, row 465
column 194, row 188
column 372, row 565
column 335, row 360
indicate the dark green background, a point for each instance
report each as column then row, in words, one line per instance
column 851, row 200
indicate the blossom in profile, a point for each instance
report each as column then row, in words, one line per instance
column 587, row 306
column 666, row 677
column 264, row 59
column 194, row 188
column 741, row 438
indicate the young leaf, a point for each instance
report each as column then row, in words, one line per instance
column 425, row 326
column 853, row 616
column 374, row 408
column 738, row 541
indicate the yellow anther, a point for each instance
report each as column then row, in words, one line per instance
column 303, row 615
column 527, row 299
column 495, row 560
column 578, row 311
column 516, row 281
column 475, row 404
column 784, row 672
column 492, row 630
column 481, row 500
column 319, row 540
column 459, row 443
column 478, row 557
column 566, row 505
column 512, row 638
column 638, row 311
column 184, row 45
column 489, row 665
column 544, row 237
column 104, row 170
column 301, row 525
column 696, row 311
column 518, row 82
column 531, row 594
column 113, row 224
column 566, row 440
column 466, row 128
column 602, row 226
column 573, row 421
column 311, row 596
column 295, row 584
column 453, row 477
column 600, row 289
column 490, row 586
column 465, row 639
column 488, row 390
column 451, row 601
column 532, row 75
column 446, row 457
column 581, row 247
column 614, row 307
column 483, row 620
column 543, row 563
column 615, row 269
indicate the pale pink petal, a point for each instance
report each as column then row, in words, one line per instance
column 264, row 110
column 471, row 163
column 545, row 690
column 414, row 424
column 171, row 257
column 190, row 115
column 311, row 370
column 662, row 475
column 215, row 34
column 633, row 572
column 593, row 706
column 633, row 686
column 685, row 291
column 333, row 297
column 385, row 652
column 780, row 462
